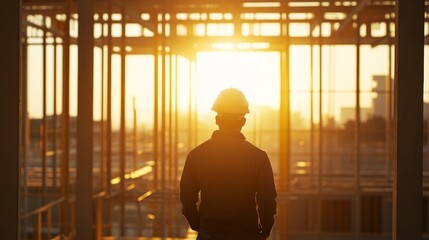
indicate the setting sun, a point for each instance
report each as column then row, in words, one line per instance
column 257, row 74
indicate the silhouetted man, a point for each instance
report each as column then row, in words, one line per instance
column 227, row 186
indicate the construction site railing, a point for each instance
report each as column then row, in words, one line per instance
column 38, row 213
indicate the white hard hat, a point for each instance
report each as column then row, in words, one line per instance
column 231, row 101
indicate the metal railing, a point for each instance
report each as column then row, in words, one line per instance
column 39, row 224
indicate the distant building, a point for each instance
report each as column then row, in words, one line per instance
column 348, row 113
column 381, row 96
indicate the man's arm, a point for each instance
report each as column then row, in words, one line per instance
column 189, row 189
column 266, row 196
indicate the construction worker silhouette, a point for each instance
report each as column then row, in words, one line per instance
column 227, row 187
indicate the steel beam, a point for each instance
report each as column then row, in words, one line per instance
column 408, row 120
column 132, row 14
column 84, row 177
column 10, row 96
column 360, row 6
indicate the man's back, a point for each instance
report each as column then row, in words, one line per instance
column 229, row 172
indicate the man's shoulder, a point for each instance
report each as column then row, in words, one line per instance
column 200, row 147
column 254, row 148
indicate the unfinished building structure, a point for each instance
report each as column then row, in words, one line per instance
column 344, row 171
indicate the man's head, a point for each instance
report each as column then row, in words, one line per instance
column 231, row 105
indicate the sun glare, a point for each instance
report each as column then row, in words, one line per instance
column 256, row 74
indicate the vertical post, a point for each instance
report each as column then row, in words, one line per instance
column 122, row 130
column 84, row 203
column 357, row 137
column 99, row 201
column 134, row 134
column 163, row 123
column 408, row 117
column 284, row 125
column 320, row 117
column 170, row 121
column 389, row 110
column 195, row 87
column 320, row 157
column 10, row 96
column 44, row 127
column 176, row 119
column 54, row 119
column 155, row 118
column 65, row 122
column 24, row 128
column 312, row 113
column 101, row 134
column 99, row 217
column 109, row 118
column 190, row 125
column 284, row 115
column 284, row 120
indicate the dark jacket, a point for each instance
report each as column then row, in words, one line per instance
column 236, row 182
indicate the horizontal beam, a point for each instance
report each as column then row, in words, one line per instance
column 361, row 5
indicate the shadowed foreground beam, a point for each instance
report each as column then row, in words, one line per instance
column 9, row 120
column 408, row 117
column 84, row 202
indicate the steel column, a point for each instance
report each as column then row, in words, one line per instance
column 25, row 126
column 44, row 127
column 65, row 122
column 284, row 167
column 10, row 95
column 163, row 141
column 99, row 201
column 84, row 164
column 320, row 155
column 54, row 119
column 389, row 111
column 284, row 138
column 134, row 134
column 195, row 86
column 320, row 138
column 163, row 122
column 408, row 116
column 101, row 163
column 357, row 136
column 122, row 130
column 109, row 118
column 155, row 118
column 170, row 120
column 176, row 120
column 190, row 125
column 312, row 114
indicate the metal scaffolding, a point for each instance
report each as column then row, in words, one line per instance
column 81, row 178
